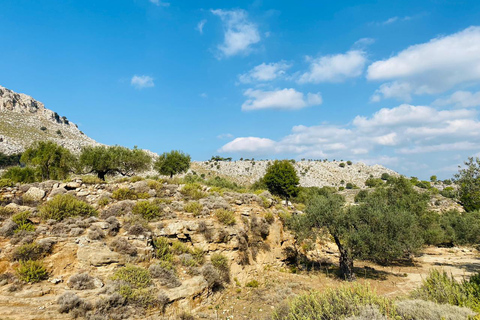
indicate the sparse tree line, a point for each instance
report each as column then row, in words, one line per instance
column 47, row 160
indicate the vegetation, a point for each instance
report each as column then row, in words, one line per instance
column 148, row 210
column 104, row 161
column 226, row 217
column 9, row 160
column 172, row 163
column 64, row 206
column 282, row 180
column 53, row 161
column 124, row 194
column 22, row 175
column 23, row 222
column 468, row 180
column 32, row 271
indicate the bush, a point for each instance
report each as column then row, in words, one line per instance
column 81, row 281
column 223, row 183
column 350, row 185
column 269, row 217
column 333, row 304
column 21, row 175
column 29, row 251
column 162, row 249
column 360, row 196
column 148, row 210
column 449, row 192
column 349, row 162
column 220, row 262
column 121, row 245
column 165, row 276
column 5, row 183
column 374, row 182
column 193, row 191
column 32, row 271
column 427, row 310
column 124, row 194
column 385, row 176
column 252, row 284
column 136, row 277
column 64, row 206
column 193, row 207
column 226, row 217
column 51, row 160
column 212, row 276
column 342, row 165
column 70, row 303
column 23, row 222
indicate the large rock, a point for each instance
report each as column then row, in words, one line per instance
column 34, row 194
column 189, row 288
column 97, row 254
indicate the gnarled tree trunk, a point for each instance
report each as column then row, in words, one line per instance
column 345, row 261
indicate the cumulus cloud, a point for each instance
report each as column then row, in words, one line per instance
column 429, row 68
column 200, row 26
column 287, row 99
column 240, row 34
column 160, row 3
column 265, row 72
column 140, row 82
column 386, row 135
column 460, row 99
column 335, row 68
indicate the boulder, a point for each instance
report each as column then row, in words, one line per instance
column 97, row 254
column 189, row 288
column 35, row 194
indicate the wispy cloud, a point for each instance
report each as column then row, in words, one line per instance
column 460, row 99
column 265, row 72
column 160, row 3
column 200, row 26
column 141, row 82
column 239, row 33
column 283, row 99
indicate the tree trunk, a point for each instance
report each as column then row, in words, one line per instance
column 171, row 175
column 101, row 175
column 345, row 261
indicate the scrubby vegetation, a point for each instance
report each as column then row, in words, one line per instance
column 64, row 206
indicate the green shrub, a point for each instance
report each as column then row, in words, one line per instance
column 252, row 284
column 5, row 183
column 374, row 182
column 136, row 277
column 220, row 262
column 361, row 195
column 342, row 165
column 193, row 207
column 21, row 175
column 350, row 185
column 124, row 194
column 223, row 183
column 226, row 217
column 428, row 310
column 64, row 206
column 23, row 222
column 349, row 162
column 449, row 192
column 385, row 176
column 148, row 210
column 193, row 191
column 32, row 271
column 103, row 201
column 162, row 249
column 269, row 217
column 334, row 304
column 92, row 180
column 28, row 251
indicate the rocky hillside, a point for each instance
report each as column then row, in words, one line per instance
column 24, row 120
column 312, row 173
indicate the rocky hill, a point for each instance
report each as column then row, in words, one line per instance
column 311, row 173
column 24, row 120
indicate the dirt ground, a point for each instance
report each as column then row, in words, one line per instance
column 275, row 286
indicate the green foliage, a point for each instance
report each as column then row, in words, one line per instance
column 468, row 180
column 23, row 221
column 334, row 304
column 373, row 182
column 349, row 162
column 361, row 196
column 92, row 180
column 104, row 161
column 64, row 206
column 32, row 271
column 172, row 163
column 136, row 277
column 342, row 165
column 252, row 284
column 193, row 207
column 193, row 191
column 220, row 262
column 5, row 183
column 148, row 210
column 21, row 175
column 9, row 160
column 222, row 183
column 442, row 288
column 259, row 185
column 281, row 179
column 124, row 194
column 28, row 251
column 449, row 192
column 53, row 161
column 433, row 178
column 350, row 185
column 385, row 176
column 162, row 249
column 306, row 193
column 226, row 217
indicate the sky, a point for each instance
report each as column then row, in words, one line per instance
column 395, row 83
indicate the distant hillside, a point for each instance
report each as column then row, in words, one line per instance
column 312, row 173
column 24, row 120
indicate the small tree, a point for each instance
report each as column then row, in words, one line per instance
column 468, row 180
column 53, row 161
column 171, row 163
column 282, row 180
column 433, row 178
column 104, row 161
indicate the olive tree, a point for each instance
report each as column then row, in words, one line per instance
column 171, row 163
column 52, row 161
column 382, row 228
column 110, row 160
column 281, row 179
column 468, row 181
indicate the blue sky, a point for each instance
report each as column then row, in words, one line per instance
column 389, row 82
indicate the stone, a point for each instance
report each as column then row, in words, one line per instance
column 73, row 185
column 57, row 191
column 97, row 254
column 34, row 194
column 189, row 288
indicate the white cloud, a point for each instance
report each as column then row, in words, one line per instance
column 240, row 34
column 460, row 99
column 160, row 3
column 431, row 67
column 287, row 99
column 335, row 68
column 225, row 136
column 140, row 82
column 363, row 43
column 265, row 72
column 390, row 20
column 384, row 137
column 200, row 26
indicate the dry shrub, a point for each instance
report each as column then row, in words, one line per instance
column 95, row 233
column 164, row 275
column 260, row 227
column 31, row 251
column 226, row 217
column 427, row 310
column 213, row 277
column 81, row 281
column 113, row 226
column 70, row 303
column 121, row 245
column 118, row 209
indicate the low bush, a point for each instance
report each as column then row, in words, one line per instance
column 193, row 207
column 30, row 251
column 226, row 217
column 136, row 277
column 92, row 180
column 213, row 277
column 21, row 175
column 148, row 210
column 193, row 191
column 64, row 206
column 23, row 222
column 374, row 182
column 124, row 194
column 165, row 275
column 162, row 249
column 32, row 271
column 81, row 281
column 252, row 284
column 220, row 262
column 5, row 183
column 269, row 217
column 95, row 233
column 70, row 303
column 134, row 283
column 121, row 245
column 427, row 310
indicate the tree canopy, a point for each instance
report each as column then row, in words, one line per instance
column 103, row 160
column 468, row 180
column 282, row 180
column 52, row 161
column 172, row 163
